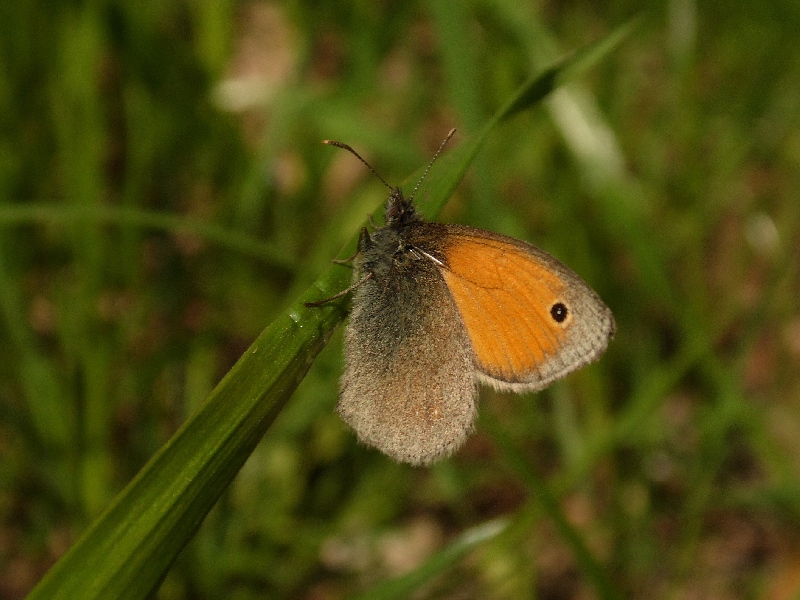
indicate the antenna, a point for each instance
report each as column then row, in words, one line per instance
column 435, row 156
column 344, row 146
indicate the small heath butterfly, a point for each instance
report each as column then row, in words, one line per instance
column 438, row 308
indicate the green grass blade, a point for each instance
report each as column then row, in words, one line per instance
column 568, row 68
column 62, row 214
column 403, row 586
column 126, row 552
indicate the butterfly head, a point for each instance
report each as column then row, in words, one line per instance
column 400, row 210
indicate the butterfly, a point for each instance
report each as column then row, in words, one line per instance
column 438, row 308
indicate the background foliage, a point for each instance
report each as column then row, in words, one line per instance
column 163, row 195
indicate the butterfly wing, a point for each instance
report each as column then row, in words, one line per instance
column 529, row 318
column 409, row 383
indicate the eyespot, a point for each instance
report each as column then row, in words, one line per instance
column 559, row 312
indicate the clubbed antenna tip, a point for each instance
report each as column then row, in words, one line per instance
column 358, row 156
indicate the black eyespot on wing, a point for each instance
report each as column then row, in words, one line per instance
column 559, row 312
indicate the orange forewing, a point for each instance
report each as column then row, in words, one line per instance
column 504, row 294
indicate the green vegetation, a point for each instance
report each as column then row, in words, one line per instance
column 164, row 197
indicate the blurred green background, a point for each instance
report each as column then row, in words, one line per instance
column 164, row 194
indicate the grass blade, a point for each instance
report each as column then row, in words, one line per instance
column 403, row 586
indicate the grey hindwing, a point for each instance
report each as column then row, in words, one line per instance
column 409, row 385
